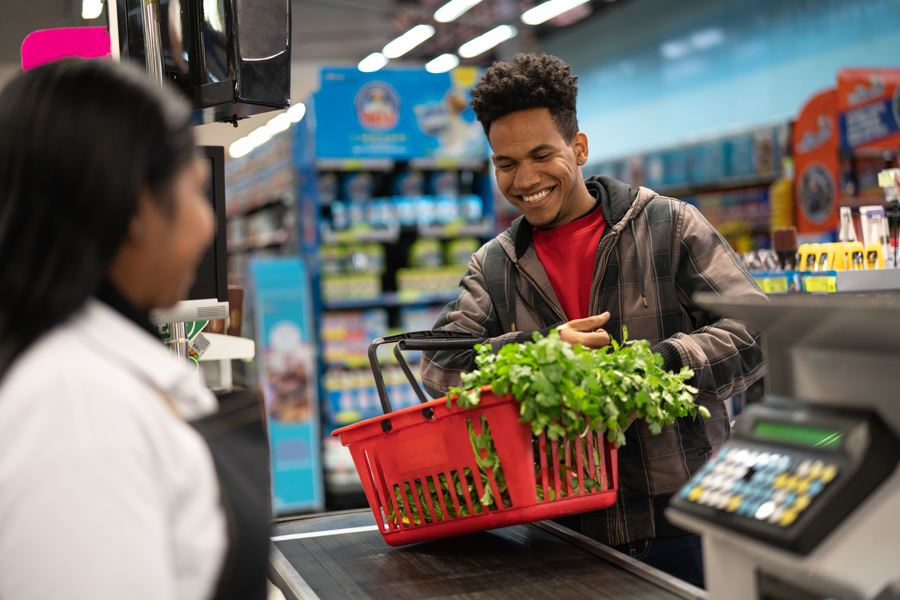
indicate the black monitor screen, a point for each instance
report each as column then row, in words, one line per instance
column 212, row 274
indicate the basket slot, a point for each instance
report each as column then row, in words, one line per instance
column 554, row 455
column 579, row 461
column 465, row 483
column 604, row 475
column 417, row 494
column 447, row 479
column 567, row 471
column 599, row 451
column 428, row 500
column 439, row 492
column 542, row 461
column 474, row 476
column 372, row 469
column 495, row 491
column 408, row 518
column 591, row 465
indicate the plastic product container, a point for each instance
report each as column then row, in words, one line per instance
column 423, row 481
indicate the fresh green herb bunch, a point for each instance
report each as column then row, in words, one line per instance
column 567, row 390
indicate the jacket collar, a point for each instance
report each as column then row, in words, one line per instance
column 119, row 341
column 616, row 201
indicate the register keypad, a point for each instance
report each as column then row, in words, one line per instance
column 765, row 486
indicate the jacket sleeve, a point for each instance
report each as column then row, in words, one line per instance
column 472, row 312
column 725, row 354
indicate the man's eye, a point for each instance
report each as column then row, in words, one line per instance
column 504, row 166
column 542, row 157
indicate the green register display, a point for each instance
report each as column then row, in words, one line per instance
column 813, row 437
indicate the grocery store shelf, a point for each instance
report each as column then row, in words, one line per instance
column 378, row 164
column 362, row 362
column 381, row 234
column 361, row 164
column 879, row 280
column 463, row 164
column 391, row 299
column 273, row 238
column 452, row 230
column 390, row 235
column 723, row 184
column 264, row 202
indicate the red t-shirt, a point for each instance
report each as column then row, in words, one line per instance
column 567, row 253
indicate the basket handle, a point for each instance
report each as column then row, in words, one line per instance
column 414, row 340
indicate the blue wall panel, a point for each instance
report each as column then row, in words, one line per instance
column 656, row 73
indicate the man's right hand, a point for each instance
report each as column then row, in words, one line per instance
column 588, row 332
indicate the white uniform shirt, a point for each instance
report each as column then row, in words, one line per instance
column 104, row 492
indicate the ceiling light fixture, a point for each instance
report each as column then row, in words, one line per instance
column 409, row 40
column 453, row 10
column 486, row 41
column 549, row 10
column 372, row 62
column 296, row 112
column 442, row 63
column 239, row 148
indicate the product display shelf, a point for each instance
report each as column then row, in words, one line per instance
column 728, row 178
column 392, row 299
column 828, row 282
column 261, row 205
column 394, row 240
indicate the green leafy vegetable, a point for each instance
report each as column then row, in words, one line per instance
column 566, row 391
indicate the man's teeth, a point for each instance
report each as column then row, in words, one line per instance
column 536, row 197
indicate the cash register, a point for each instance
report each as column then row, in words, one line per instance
column 803, row 501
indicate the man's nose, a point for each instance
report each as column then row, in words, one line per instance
column 526, row 178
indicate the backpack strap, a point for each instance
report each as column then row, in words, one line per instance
column 500, row 280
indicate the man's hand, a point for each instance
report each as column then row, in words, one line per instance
column 588, row 332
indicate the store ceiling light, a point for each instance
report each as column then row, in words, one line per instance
column 442, row 63
column 707, row 38
column 260, row 136
column 91, row 9
column 486, row 41
column 453, row 10
column 549, row 10
column 372, row 62
column 296, row 112
column 279, row 123
column 406, row 42
column 239, row 148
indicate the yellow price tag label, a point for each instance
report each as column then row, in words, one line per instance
column 352, row 165
column 818, row 284
column 773, row 285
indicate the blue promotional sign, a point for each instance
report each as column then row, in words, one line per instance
column 287, row 374
column 397, row 114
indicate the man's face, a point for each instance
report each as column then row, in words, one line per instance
column 537, row 169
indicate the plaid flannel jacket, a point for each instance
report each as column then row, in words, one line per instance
column 655, row 254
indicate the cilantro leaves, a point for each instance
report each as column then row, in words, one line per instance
column 566, row 391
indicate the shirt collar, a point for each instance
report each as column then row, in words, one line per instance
column 129, row 346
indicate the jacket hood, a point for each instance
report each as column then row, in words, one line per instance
column 619, row 202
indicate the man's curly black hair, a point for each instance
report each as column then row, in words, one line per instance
column 528, row 81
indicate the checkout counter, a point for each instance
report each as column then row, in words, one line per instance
column 342, row 555
column 803, row 502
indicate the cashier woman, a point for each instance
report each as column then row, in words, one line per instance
column 106, row 490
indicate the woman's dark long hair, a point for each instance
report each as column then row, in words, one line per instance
column 79, row 139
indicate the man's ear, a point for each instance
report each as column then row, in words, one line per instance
column 580, row 147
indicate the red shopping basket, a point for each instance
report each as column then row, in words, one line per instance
column 425, row 479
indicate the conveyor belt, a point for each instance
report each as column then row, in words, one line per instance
column 342, row 555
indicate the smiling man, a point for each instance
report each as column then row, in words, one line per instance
column 592, row 257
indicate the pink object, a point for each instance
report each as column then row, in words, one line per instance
column 47, row 45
